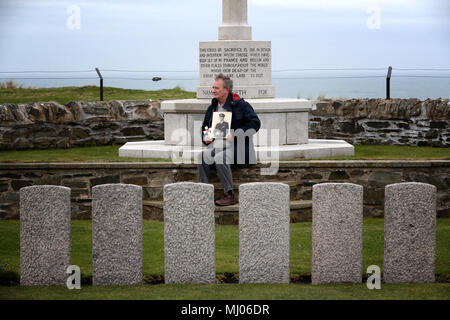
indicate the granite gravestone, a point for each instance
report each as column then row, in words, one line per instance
column 264, row 233
column 44, row 235
column 409, row 232
column 189, row 233
column 337, row 222
column 117, row 234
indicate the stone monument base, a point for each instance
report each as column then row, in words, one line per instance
column 283, row 134
column 287, row 116
column 315, row 148
column 244, row 91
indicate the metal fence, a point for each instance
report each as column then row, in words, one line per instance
column 278, row 74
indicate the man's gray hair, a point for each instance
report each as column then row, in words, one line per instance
column 227, row 82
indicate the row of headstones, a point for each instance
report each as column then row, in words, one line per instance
column 189, row 233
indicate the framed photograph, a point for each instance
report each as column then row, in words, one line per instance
column 221, row 125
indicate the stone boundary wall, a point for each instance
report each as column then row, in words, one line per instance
column 44, row 125
column 81, row 177
column 380, row 121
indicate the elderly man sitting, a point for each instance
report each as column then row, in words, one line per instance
column 237, row 147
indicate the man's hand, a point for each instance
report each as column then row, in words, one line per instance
column 208, row 140
column 229, row 137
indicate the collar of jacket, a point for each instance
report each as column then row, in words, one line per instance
column 232, row 100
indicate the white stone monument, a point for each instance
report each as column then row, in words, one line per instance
column 234, row 21
column 284, row 121
column 246, row 61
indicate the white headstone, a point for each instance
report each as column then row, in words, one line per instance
column 264, row 233
column 409, row 232
column 337, row 222
column 117, row 250
column 44, row 235
column 189, row 233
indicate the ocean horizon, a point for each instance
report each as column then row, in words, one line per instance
column 306, row 86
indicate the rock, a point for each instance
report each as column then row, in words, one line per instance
column 380, row 179
column 105, row 180
column 377, row 124
column 95, row 108
column 351, row 127
column 312, row 175
column 403, row 125
column 432, row 134
column 5, row 113
column 338, row 175
column 49, row 179
column 141, row 181
column 18, row 184
column 439, row 124
column 133, row 131
column 4, row 186
column 34, row 113
column 423, row 144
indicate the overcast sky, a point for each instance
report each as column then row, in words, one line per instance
column 164, row 34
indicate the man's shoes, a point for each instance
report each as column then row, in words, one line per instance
column 227, row 200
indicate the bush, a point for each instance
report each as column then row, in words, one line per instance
column 10, row 84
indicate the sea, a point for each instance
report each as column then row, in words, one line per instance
column 304, row 85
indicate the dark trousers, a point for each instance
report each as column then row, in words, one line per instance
column 222, row 158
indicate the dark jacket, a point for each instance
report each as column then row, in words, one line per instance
column 243, row 119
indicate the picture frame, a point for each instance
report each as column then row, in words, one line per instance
column 221, row 124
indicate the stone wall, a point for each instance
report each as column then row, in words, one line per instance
column 379, row 121
column 300, row 175
column 44, row 125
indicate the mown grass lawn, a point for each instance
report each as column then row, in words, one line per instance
column 111, row 154
column 390, row 152
column 64, row 95
column 227, row 261
column 433, row 291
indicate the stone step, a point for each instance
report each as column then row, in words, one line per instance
column 301, row 211
column 135, row 138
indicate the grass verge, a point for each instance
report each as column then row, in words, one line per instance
column 431, row 291
column 227, row 263
column 111, row 154
column 64, row 95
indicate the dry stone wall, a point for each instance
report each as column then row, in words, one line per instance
column 379, row 121
column 44, row 125
column 301, row 176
